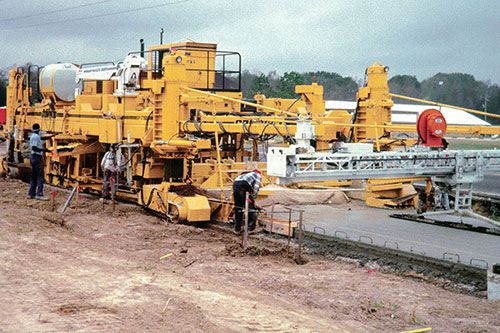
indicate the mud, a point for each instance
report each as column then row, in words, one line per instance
column 237, row 250
column 95, row 269
column 54, row 218
column 187, row 190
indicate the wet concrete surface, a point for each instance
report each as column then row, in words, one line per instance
column 490, row 184
column 372, row 225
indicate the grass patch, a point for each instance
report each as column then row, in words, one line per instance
column 460, row 144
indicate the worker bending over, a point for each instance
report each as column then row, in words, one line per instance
column 111, row 164
column 246, row 182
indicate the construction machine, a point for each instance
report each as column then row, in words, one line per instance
column 177, row 114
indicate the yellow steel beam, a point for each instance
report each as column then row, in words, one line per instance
column 476, row 130
column 241, row 102
column 257, row 128
column 446, row 105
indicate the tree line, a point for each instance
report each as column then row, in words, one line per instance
column 457, row 89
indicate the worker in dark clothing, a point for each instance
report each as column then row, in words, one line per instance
column 246, row 182
column 36, row 180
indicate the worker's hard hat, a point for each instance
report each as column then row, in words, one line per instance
column 36, row 127
column 260, row 173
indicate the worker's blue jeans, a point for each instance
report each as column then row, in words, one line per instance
column 36, row 181
column 240, row 188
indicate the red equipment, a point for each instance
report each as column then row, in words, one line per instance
column 431, row 127
column 3, row 115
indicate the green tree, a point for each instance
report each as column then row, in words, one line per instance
column 247, row 79
column 406, row 85
column 335, row 86
column 493, row 103
column 287, row 83
column 456, row 89
column 261, row 85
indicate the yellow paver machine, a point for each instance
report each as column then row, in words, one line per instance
column 177, row 115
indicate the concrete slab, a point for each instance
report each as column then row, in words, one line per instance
column 372, row 225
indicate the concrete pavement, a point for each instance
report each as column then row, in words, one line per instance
column 374, row 225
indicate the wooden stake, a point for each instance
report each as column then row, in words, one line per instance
column 77, row 197
column 53, row 201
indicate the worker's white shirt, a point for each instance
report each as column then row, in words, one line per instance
column 110, row 162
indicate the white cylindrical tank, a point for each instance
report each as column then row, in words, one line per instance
column 59, row 80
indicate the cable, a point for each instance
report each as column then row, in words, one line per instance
column 54, row 11
column 246, row 130
column 96, row 16
column 277, row 130
column 132, row 155
column 293, row 104
column 222, row 127
column 291, row 139
column 143, row 162
column 147, row 121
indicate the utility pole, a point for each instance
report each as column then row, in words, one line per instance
column 486, row 99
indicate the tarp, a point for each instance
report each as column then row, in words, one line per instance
column 286, row 196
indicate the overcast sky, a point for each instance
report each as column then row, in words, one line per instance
column 411, row 37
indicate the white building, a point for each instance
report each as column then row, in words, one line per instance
column 408, row 113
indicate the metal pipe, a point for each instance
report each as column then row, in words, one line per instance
column 377, row 141
column 175, row 142
column 245, row 234
column 272, row 219
column 118, row 131
column 289, row 227
column 242, row 102
column 161, row 36
column 66, row 204
column 142, row 47
column 299, row 249
column 219, row 167
column 129, row 163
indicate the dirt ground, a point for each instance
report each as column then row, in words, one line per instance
column 94, row 270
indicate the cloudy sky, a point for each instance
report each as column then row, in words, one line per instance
column 411, row 37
